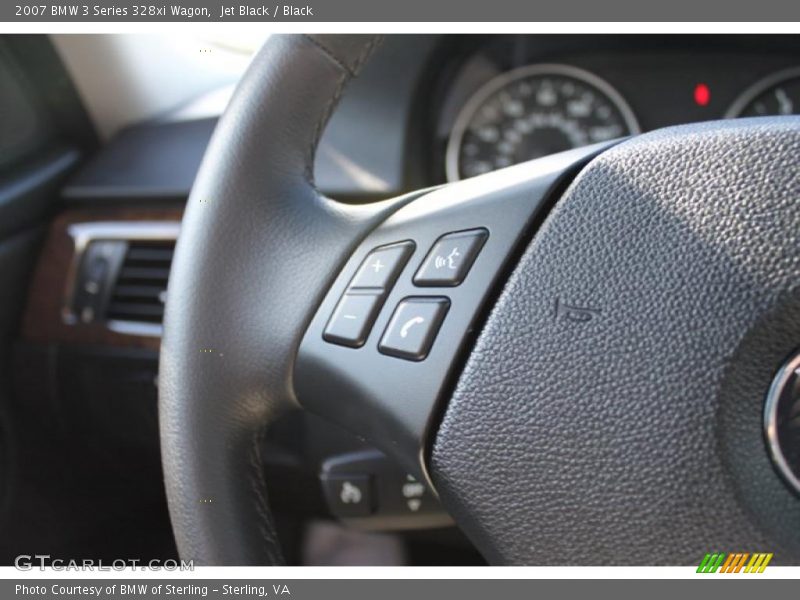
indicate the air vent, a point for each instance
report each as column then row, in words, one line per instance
column 139, row 293
column 119, row 275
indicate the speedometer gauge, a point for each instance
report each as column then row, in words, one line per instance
column 778, row 94
column 531, row 112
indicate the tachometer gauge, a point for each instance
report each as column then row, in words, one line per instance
column 777, row 94
column 531, row 112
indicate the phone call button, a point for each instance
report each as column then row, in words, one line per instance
column 413, row 327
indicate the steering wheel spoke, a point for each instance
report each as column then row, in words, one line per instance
column 387, row 339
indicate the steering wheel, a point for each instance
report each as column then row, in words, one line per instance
column 573, row 352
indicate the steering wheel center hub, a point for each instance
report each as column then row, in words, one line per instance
column 654, row 282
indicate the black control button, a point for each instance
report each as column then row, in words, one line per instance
column 413, row 327
column 448, row 262
column 100, row 263
column 415, row 498
column 398, row 500
column 382, row 266
column 348, row 495
column 96, row 273
column 352, row 319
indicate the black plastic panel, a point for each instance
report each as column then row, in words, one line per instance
column 389, row 400
column 156, row 161
column 390, row 498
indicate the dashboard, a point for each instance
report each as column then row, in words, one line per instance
column 520, row 97
column 430, row 109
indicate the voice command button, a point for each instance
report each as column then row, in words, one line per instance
column 450, row 259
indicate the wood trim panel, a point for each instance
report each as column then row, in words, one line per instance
column 43, row 321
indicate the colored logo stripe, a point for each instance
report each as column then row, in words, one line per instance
column 711, row 562
column 758, row 563
column 734, row 562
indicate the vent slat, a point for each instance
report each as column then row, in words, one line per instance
column 131, row 308
column 136, row 254
column 141, row 285
column 138, row 291
column 138, row 273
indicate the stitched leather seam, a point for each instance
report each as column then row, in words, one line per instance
column 337, row 93
column 329, row 106
column 268, row 533
column 330, row 54
column 362, row 58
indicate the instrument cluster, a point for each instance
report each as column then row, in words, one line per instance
column 499, row 112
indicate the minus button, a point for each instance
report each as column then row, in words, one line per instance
column 352, row 320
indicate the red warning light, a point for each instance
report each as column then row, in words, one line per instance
column 702, row 95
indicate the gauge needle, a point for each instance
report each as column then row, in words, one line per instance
column 785, row 106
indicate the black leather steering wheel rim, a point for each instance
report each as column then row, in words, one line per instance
column 234, row 315
column 517, row 459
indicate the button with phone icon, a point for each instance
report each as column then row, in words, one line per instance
column 409, row 324
column 413, row 327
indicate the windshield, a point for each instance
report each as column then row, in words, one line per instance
column 124, row 79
